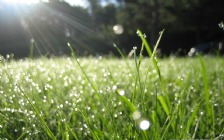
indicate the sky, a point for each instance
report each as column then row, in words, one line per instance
column 77, row 2
column 82, row 3
column 71, row 2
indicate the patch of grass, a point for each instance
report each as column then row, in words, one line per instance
column 110, row 98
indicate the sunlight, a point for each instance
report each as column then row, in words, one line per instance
column 28, row 2
column 35, row 19
column 77, row 3
column 22, row 1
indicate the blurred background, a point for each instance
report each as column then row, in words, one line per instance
column 93, row 26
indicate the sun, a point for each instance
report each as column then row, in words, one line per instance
column 28, row 2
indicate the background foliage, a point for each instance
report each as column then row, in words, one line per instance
column 90, row 30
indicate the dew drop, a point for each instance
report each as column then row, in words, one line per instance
column 138, row 32
column 61, row 105
column 103, row 110
column 144, row 125
column 181, row 127
column 121, row 92
column 136, row 115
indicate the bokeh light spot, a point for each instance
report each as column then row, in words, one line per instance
column 144, row 125
column 118, row 29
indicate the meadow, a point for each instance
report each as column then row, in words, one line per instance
column 111, row 98
column 53, row 98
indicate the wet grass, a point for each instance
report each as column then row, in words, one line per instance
column 111, row 98
column 52, row 98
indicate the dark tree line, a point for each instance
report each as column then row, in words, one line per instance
column 52, row 25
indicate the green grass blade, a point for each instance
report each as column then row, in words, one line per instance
column 164, row 105
column 148, row 48
column 167, row 127
column 127, row 102
column 191, row 119
column 206, row 90
column 124, row 58
column 21, row 136
column 209, row 107
column 196, row 128
column 137, row 77
column 87, row 78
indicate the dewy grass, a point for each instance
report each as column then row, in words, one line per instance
column 48, row 130
column 182, row 80
column 209, row 108
column 97, row 101
column 165, row 102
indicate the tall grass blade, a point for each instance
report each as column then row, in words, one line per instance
column 167, row 127
column 84, row 73
column 191, row 119
column 137, row 77
column 124, row 58
column 128, row 103
column 87, row 78
column 21, row 136
column 209, row 107
column 206, row 90
column 196, row 128
column 165, row 103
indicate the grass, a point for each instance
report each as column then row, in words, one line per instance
column 110, row 98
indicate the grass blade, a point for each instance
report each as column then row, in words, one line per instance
column 128, row 103
column 165, row 103
column 191, row 119
column 124, row 58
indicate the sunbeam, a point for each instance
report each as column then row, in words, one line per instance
column 22, row 1
column 44, row 23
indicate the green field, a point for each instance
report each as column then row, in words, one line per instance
column 110, row 98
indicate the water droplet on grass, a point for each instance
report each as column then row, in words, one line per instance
column 61, row 105
column 115, row 87
column 181, row 127
column 144, row 124
column 103, row 110
column 136, row 115
column 202, row 113
column 121, row 92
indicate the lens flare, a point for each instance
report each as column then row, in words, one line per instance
column 22, row 1
column 118, row 29
column 144, row 124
